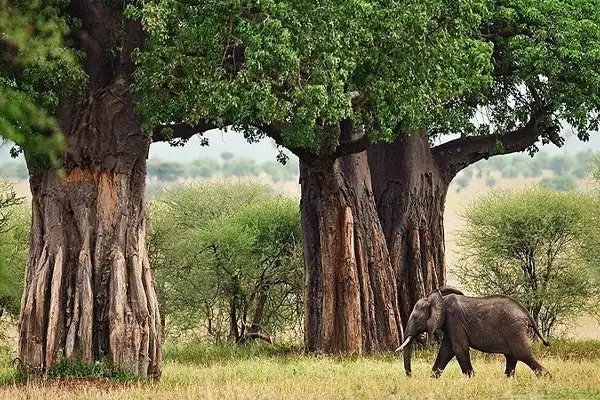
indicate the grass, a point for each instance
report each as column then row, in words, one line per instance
column 264, row 372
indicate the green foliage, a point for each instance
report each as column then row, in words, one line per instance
column 14, row 235
column 227, row 256
column 510, row 172
column 305, row 66
column 166, row 170
column 533, row 245
column 36, row 71
column 461, row 183
column 559, row 165
column 98, row 370
column 14, row 170
column 202, row 167
column 545, row 51
column 561, row 183
column 242, row 166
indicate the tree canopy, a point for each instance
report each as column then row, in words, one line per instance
column 301, row 71
column 37, row 69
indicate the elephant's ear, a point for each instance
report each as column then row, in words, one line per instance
column 437, row 312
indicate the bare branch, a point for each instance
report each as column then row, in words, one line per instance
column 163, row 133
column 457, row 154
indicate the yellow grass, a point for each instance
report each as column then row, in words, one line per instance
column 326, row 378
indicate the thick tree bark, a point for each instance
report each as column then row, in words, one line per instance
column 410, row 193
column 410, row 182
column 351, row 299
column 89, row 292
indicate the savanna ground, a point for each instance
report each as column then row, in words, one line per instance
column 258, row 372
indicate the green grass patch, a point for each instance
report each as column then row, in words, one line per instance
column 208, row 354
column 261, row 371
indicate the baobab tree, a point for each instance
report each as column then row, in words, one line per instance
column 89, row 295
column 546, row 77
column 324, row 81
column 330, row 81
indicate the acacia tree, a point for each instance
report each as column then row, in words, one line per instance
column 89, row 293
column 324, row 81
column 546, row 62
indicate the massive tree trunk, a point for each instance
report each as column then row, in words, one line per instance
column 89, row 292
column 351, row 298
column 410, row 193
column 410, row 182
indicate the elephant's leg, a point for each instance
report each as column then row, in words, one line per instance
column 535, row 366
column 443, row 358
column 464, row 360
column 460, row 346
column 521, row 351
column 511, row 364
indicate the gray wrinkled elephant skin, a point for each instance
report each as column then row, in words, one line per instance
column 492, row 324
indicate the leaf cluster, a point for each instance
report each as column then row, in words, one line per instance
column 546, row 57
column 306, row 66
column 37, row 69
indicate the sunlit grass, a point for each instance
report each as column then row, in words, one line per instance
column 253, row 373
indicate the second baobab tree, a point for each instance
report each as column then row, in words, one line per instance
column 325, row 80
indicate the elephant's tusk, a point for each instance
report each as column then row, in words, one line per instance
column 404, row 344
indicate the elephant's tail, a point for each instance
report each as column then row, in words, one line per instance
column 537, row 332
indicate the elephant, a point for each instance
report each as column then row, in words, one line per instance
column 492, row 324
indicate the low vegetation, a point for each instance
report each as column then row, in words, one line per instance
column 228, row 261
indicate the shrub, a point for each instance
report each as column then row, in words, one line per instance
column 166, row 170
column 534, row 246
column 14, row 229
column 510, row 172
column 461, row 183
column 203, row 167
column 228, row 261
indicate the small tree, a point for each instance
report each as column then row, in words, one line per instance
column 228, row 261
column 530, row 245
column 14, row 230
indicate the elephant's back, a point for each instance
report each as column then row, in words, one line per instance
column 492, row 322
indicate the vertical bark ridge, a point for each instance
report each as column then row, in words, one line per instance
column 351, row 302
column 89, row 291
column 410, row 194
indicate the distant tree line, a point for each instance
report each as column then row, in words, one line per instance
column 208, row 167
column 565, row 169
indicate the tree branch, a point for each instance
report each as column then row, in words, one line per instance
column 179, row 131
column 274, row 131
column 353, row 146
column 345, row 147
column 457, row 154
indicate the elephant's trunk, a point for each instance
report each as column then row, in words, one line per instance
column 408, row 356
